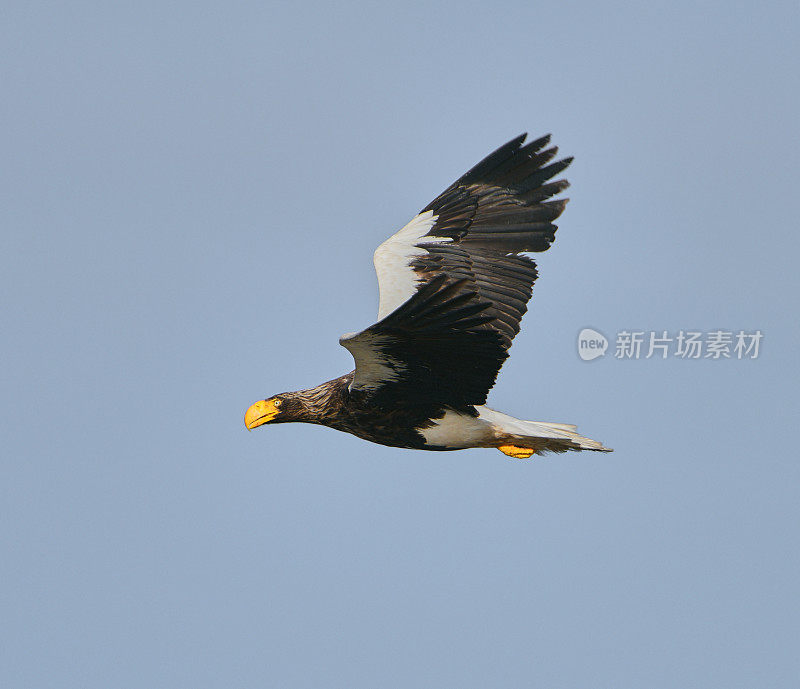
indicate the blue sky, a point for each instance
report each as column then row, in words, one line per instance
column 191, row 194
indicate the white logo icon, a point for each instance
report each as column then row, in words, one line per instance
column 591, row 344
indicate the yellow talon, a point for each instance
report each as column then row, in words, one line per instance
column 516, row 451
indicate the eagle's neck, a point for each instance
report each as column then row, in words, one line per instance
column 322, row 404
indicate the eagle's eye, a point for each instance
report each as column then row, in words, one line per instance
column 277, row 403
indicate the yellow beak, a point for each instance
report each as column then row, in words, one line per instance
column 260, row 413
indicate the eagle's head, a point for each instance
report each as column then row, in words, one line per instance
column 277, row 409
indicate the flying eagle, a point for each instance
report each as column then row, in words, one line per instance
column 454, row 285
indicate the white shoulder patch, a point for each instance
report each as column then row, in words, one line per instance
column 396, row 280
column 373, row 367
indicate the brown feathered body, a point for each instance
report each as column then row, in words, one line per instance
column 334, row 405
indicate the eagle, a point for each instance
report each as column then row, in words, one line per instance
column 454, row 285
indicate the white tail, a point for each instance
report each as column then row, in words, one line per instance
column 540, row 436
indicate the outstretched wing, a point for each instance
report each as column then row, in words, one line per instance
column 433, row 350
column 476, row 230
column 454, row 285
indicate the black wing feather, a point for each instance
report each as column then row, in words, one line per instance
column 437, row 346
column 444, row 346
column 493, row 213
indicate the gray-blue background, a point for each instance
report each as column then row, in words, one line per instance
column 190, row 197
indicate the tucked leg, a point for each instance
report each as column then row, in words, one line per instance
column 516, row 451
